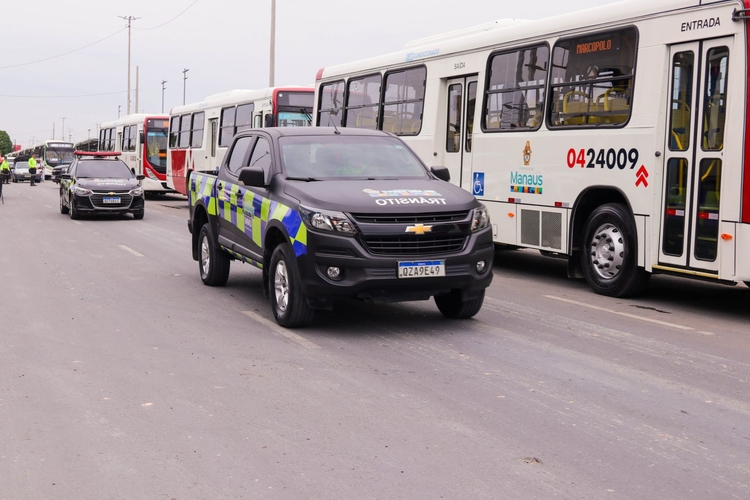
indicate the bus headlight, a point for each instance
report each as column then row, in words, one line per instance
column 325, row 220
column 136, row 191
column 79, row 191
column 480, row 218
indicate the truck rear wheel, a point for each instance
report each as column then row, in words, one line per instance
column 289, row 304
column 213, row 263
column 454, row 306
column 609, row 252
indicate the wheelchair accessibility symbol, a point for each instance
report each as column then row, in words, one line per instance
column 477, row 188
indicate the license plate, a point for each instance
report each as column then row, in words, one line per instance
column 422, row 269
column 111, row 200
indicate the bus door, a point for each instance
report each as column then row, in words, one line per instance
column 693, row 154
column 459, row 125
column 213, row 139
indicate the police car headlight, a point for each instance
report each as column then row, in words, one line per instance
column 136, row 192
column 79, row 191
column 480, row 218
column 325, row 220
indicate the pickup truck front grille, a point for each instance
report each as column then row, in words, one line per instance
column 414, row 246
column 410, row 218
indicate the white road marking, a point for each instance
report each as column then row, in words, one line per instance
column 47, row 206
column 78, row 222
column 282, row 331
column 128, row 249
column 627, row 315
column 706, row 333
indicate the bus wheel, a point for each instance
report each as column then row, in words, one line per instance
column 289, row 304
column 453, row 305
column 609, row 252
column 214, row 262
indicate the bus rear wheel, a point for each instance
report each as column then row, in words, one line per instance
column 609, row 252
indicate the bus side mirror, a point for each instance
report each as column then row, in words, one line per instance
column 441, row 173
column 143, row 138
column 270, row 119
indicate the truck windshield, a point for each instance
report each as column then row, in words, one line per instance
column 348, row 157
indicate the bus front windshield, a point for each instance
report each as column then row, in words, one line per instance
column 294, row 109
column 54, row 156
column 156, row 147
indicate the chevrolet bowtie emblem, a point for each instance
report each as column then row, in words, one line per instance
column 418, row 229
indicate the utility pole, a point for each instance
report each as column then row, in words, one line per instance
column 118, row 111
column 129, row 19
column 89, row 134
column 62, row 130
column 53, row 131
column 184, row 83
column 272, row 69
column 70, row 136
column 137, row 89
column 162, row 95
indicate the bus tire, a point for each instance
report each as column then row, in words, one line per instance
column 289, row 304
column 214, row 262
column 453, row 305
column 609, row 252
column 63, row 209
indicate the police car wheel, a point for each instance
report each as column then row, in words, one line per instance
column 453, row 306
column 138, row 215
column 289, row 304
column 609, row 252
column 63, row 208
column 213, row 263
column 73, row 212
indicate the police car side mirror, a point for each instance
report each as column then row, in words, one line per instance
column 65, row 176
column 254, row 177
column 140, row 177
column 441, row 173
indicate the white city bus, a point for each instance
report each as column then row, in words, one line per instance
column 52, row 154
column 142, row 139
column 218, row 117
column 615, row 136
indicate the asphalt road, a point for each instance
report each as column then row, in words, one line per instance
column 123, row 376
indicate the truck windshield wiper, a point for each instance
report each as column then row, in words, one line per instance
column 306, row 179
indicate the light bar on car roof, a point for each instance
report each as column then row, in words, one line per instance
column 98, row 153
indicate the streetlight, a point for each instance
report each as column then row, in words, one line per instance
column 184, row 83
column 162, row 95
column 272, row 69
column 129, row 19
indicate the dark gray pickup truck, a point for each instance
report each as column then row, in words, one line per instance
column 329, row 215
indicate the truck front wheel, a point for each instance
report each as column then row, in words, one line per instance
column 213, row 263
column 454, row 306
column 289, row 304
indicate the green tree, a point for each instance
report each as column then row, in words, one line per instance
column 6, row 145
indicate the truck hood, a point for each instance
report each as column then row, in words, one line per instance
column 382, row 196
column 107, row 184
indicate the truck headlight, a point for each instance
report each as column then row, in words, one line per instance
column 79, row 191
column 136, row 191
column 479, row 218
column 325, row 220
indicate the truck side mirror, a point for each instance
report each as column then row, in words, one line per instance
column 254, row 177
column 441, row 173
column 270, row 119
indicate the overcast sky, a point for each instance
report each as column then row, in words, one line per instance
column 224, row 43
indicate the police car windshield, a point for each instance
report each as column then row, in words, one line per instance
column 103, row 169
column 22, row 164
column 348, row 157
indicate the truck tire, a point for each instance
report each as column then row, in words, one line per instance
column 289, row 304
column 63, row 208
column 214, row 262
column 453, row 306
column 609, row 252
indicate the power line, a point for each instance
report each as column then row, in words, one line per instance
column 62, row 96
column 164, row 24
column 64, row 54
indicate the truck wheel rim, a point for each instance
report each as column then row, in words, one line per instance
column 607, row 251
column 281, row 286
column 205, row 256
